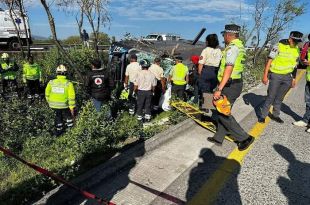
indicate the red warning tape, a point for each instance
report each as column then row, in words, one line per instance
column 56, row 178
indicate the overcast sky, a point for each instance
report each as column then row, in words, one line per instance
column 140, row 17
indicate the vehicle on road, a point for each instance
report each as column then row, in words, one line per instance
column 161, row 37
column 8, row 31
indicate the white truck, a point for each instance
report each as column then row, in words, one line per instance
column 161, row 37
column 8, row 32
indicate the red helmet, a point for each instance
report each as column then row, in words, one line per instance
column 195, row 59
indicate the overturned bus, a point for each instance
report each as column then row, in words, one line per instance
column 120, row 52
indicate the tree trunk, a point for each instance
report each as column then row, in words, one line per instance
column 90, row 18
column 11, row 11
column 27, row 31
column 91, row 22
column 80, row 20
column 54, row 35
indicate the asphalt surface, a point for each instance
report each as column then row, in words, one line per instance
column 276, row 170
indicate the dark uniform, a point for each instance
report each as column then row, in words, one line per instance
column 99, row 85
column 8, row 71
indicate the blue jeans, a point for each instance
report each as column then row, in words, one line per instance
column 97, row 104
column 306, row 117
column 208, row 79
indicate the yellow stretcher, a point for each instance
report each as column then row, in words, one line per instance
column 197, row 115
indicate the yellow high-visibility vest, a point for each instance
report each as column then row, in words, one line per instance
column 179, row 73
column 239, row 63
column 31, row 72
column 286, row 60
column 60, row 94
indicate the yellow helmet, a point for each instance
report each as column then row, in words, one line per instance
column 61, row 69
column 5, row 56
column 124, row 95
column 222, row 105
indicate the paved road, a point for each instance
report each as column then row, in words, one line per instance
column 188, row 169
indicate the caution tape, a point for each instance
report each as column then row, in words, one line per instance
column 45, row 172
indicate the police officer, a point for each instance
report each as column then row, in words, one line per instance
column 280, row 71
column 306, row 62
column 230, row 85
column 179, row 76
column 99, row 84
column 60, row 95
column 145, row 83
column 8, row 71
column 32, row 76
column 130, row 75
column 160, row 87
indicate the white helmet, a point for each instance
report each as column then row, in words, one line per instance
column 5, row 56
column 61, row 69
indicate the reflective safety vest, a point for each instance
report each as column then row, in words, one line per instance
column 8, row 74
column 31, row 72
column 239, row 63
column 179, row 73
column 60, row 94
column 286, row 60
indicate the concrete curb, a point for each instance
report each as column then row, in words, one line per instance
column 114, row 165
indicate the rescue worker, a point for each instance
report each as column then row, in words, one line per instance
column 194, row 71
column 179, row 76
column 145, row 83
column 280, row 70
column 230, row 84
column 130, row 75
column 32, row 76
column 160, row 86
column 306, row 61
column 8, row 72
column 209, row 62
column 60, row 95
column 99, row 84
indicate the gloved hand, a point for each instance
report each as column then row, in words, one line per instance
column 134, row 94
column 187, row 87
column 72, row 112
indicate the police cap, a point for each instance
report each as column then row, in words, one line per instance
column 231, row 28
column 296, row 36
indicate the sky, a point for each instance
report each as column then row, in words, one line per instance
column 141, row 17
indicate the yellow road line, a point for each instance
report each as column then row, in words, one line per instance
column 209, row 191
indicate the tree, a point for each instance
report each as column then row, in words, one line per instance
column 97, row 14
column 51, row 21
column 95, row 11
column 270, row 19
column 103, row 38
column 72, row 40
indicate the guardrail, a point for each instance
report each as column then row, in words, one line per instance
column 43, row 47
